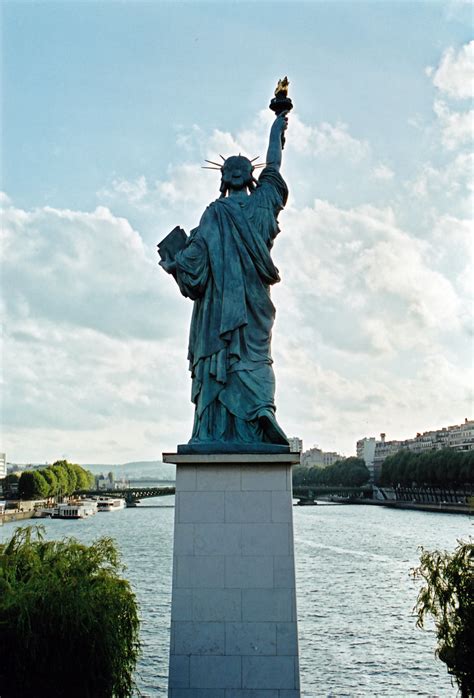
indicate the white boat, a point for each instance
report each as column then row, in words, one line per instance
column 71, row 510
column 110, row 504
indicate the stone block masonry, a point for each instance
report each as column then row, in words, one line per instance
column 233, row 615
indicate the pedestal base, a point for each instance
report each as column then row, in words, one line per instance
column 233, row 616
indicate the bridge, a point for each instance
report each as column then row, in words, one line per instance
column 307, row 494
column 132, row 495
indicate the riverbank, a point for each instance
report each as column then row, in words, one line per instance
column 438, row 507
column 14, row 515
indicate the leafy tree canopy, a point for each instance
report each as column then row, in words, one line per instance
column 350, row 472
column 68, row 621
column 435, row 468
column 61, row 478
column 448, row 596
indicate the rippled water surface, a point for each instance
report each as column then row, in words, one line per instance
column 355, row 596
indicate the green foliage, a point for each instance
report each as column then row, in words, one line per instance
column 448, row 596
column 71, row 476
column 350, row 472
column 11, row 483
column 61, row 478
column 52, row 480
column 60, row 473
column 435, row 468
column 68, row 622
column 32, row 485
column 82, row 479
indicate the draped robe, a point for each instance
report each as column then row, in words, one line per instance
column 227, row 270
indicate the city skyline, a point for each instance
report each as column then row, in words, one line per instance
column 109, row 111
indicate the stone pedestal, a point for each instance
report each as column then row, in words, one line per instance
column 233, row 615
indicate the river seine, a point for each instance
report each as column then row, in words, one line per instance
column 355, row 595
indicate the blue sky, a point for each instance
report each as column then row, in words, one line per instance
column 109, row 109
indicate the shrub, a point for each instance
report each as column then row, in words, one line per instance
column 68, row 622
column 448, row 596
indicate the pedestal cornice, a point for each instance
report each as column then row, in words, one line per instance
column 232, row 458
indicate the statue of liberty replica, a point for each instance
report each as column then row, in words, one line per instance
column 225, row 267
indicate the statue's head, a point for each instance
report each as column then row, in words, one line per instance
column 237, row 173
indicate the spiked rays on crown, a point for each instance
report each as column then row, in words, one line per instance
column 217, row 166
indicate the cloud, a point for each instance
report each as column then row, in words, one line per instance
column 447, row 187
column 457, row 128
column 360, row 283
column 382, row 172
column 454, row 239
column 91, row 330
column 184, row 189
column 83, row 269
column 371, row 326
column 326, row 140
column 455, row 74
column 135, row 191
column 335, row 406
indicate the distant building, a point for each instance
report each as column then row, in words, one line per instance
column 296, row 444
column 459, row 437
column 3, row 470
column 366, row 451
column 315, row 457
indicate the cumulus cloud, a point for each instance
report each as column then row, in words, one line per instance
column 87, row 269
column 337, row 405
column 184, row 189
column 450, row 187
column 382, row 172
column 91, row 326
column 363, row 284
column 328, row 140
column 457, row 127
column 454, row 240
column 455, row 74
column 371, row 312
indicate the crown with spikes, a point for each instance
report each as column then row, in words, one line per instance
column 217, row 166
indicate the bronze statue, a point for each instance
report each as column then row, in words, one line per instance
column 225, row 268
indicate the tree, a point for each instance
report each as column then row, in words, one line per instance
column 82, row 477
column 61, row 475
column 52, row 481
column 72, row 476
column 11, row 484
column 68, row 622
column 436, row 468
column 448, row 596
column 32, row 485
column 351, row 472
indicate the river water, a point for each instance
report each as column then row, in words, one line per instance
column 355, row 595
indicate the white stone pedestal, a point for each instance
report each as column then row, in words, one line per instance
column 233, row 616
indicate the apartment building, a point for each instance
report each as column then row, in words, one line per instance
column 296, row 444
column 459, row 436
column 318, row 458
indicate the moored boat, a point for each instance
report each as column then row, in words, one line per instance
column 110, row 504
column 69, row 510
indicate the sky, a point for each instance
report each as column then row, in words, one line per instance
column 109, row 110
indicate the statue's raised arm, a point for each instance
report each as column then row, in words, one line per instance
column 277, row 140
